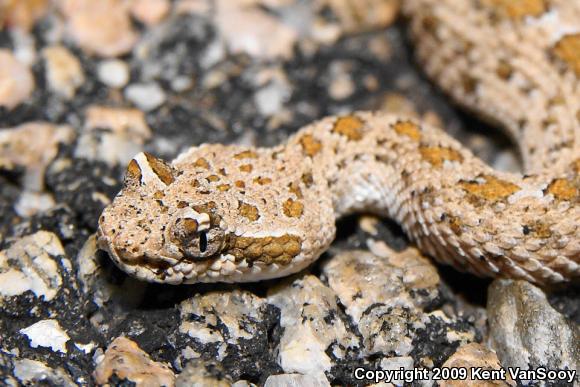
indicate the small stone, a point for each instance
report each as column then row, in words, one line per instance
column 473, row 356
column 100, row 27
column 526, row 331
column 32, row 146
column 253, row 31
column 378, row 293
column 30, row 264
column 357, row 16
column 229, row 307
column 112, row 135
column 274, row 90
column 126, row 360
column 195, row 374
column 369, row 223
column 23, row 14
column 181, row 84
column 312, row 326
column 16, row 80
column 64, row 72
column 124, row 122
column 33, row 373
column 398, row 104
column 341, row 85
column 31, row 203
column 231, row 326
column 47, row 333
column 507, row 161
column 397, row 363
column 146, row 96
column 113, row 73
column 150, row 12
column 295, row 380
column 270, row 99
column 242, row 383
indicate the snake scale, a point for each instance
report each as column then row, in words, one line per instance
column 237, row 214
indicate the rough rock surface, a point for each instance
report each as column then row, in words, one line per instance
column 124, row 360
column 99, row 81
column 527, row 332
column 472, row 356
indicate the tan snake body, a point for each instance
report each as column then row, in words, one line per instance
column 237, row 214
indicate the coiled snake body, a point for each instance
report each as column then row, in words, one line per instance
column 236, row 214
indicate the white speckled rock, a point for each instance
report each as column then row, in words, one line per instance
column 232, row 305
column 237, row 311
column 32, row 146
column 31, row 373
column 113, row 73
column 526, row 331
column 48, row 334
column 112, row 135
column 100, row 27
column 195, row 374
column 64, row 71
column 397, row 363
column 377, row 293
column 296, row 380
column 16, row 80
column 150, row 12
column 146, row 96
column 30, row 264
column 312, row 326
column 126, row 360
column 474, row 355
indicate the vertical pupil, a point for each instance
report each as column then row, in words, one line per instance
column 202, row 241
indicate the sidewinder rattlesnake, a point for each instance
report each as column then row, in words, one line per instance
column 236, row 214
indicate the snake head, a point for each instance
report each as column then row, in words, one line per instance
column 192, row 221
column 154, row 233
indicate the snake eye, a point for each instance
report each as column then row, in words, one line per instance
column 202, row 241
column 196, row 238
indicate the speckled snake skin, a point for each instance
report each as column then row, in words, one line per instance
column 236, row 214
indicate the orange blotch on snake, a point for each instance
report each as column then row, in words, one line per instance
column 349, row 126
column 562, row 189
column 249, row 211
column 518, row 9
column 436, row 155
column 293, row 208
column 246, row 168
column 133, row 173
column 201, row 163
column 262, row 180
column 249, row 154
column 568, row 50
column 295, row 189
column 310, row 145
column 493, row 189
column 409, row 129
